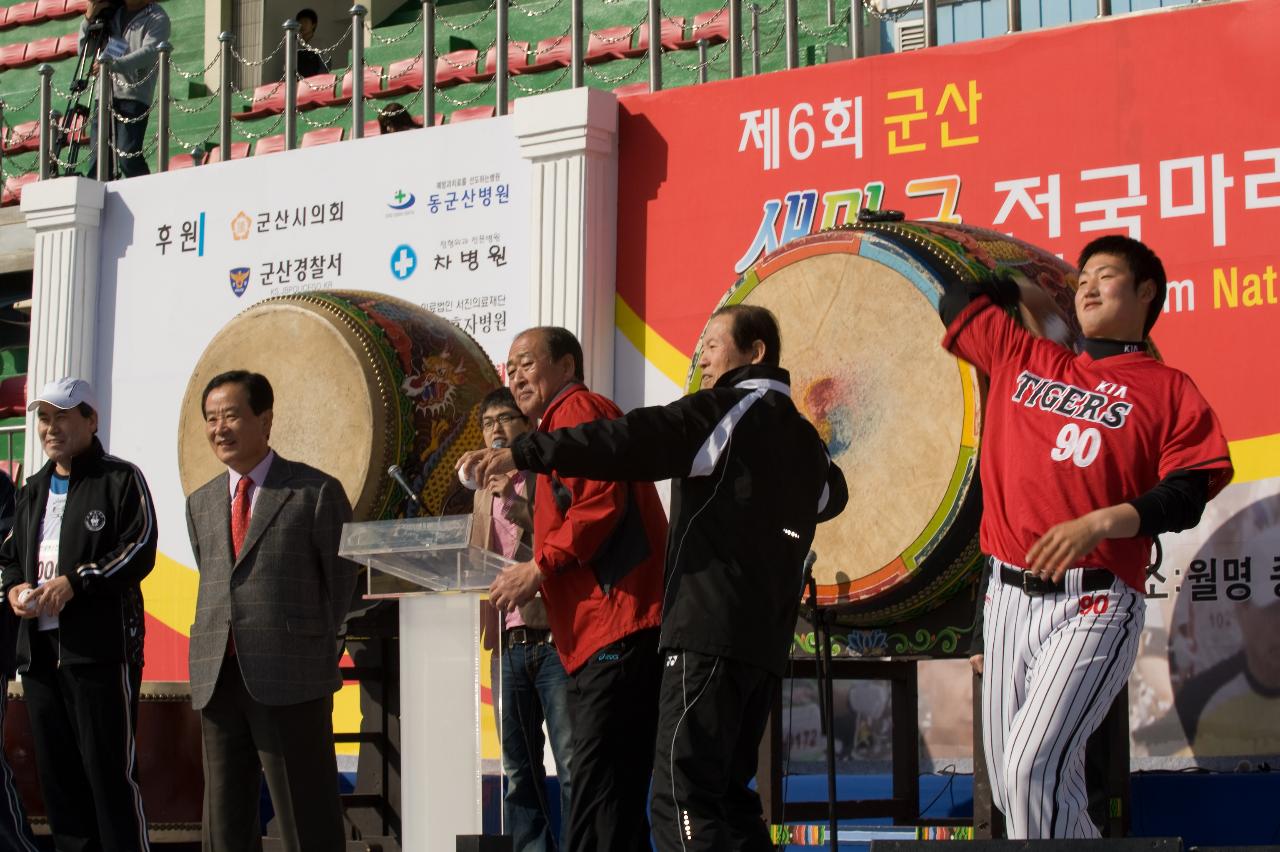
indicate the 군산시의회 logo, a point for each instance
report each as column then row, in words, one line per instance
column 239, row 280
column 241, row 224
column 402, row 200
column 403, row 262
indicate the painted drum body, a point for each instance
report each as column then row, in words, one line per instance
column 900, row 415
column 362, row 381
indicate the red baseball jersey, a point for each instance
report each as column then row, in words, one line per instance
column 1065, row 435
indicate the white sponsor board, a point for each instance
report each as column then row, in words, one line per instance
column 438, row 217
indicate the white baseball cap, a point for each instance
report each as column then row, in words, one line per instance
column 65, row 393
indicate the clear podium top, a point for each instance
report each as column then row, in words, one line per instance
column 433, row 554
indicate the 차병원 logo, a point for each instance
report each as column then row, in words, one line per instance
column 403, row 262
column 402, row 200
column 239, row 280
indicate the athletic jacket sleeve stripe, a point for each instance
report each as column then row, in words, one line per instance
column 138, row 548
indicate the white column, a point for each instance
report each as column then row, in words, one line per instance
column 571, row 137
column 65, row 215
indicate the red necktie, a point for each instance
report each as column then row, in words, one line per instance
column 240, row 506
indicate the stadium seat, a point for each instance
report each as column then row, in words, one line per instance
column 12, row 193
column 48, row 10
column 554, row 52
column 267, row 100
column 606, row 44
column 269, row 145
column 42, row 50
column 13, row 400
column 403, row 78
column 712, row 27
column 630, row 89
column 239, row 150
column 76, row 7
column 672, row 34
column 12, row 55
column 321, row 136
column 316, row 90
column 4, row 14
column 372, row 83
column 183, row 161
column 20, row 14
column 457, row 66
column 471, row 114
column 517, row 61
column 67, row 46
column 23, row 137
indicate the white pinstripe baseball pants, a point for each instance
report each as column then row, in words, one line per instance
column 1052, row 666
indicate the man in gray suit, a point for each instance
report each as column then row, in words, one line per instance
column 264, row 646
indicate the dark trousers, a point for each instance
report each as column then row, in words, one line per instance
column 130, row 138
column 15, row 832
column 83, row 718
column 613, row 708
column 711, row 716
column 292, row 745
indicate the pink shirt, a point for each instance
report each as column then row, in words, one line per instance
column 507, row 534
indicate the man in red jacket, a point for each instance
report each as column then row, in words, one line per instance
column 598, row 558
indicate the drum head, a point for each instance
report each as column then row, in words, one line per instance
column 324, row 415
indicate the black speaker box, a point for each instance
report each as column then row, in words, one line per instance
column 1127, row 844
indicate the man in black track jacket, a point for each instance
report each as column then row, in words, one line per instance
column 84, row 536
column 751, row 481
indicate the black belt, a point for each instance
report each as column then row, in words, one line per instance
column 1094, row 580
column 527, row 636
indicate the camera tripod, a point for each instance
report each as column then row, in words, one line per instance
column 69, row 130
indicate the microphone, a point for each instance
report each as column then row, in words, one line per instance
column 499, row 443
column 395, row 473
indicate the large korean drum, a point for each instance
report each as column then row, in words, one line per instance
column 362, row 381
column 902, row 417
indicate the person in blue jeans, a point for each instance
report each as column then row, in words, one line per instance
column 534, row 682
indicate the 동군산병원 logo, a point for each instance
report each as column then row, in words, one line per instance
column 239, row 279
column 403, row 262
column 402, row 200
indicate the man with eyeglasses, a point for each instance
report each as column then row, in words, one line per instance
column 597, row 560
column 534, row 683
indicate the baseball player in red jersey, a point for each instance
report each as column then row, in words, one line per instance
column 1085, row 457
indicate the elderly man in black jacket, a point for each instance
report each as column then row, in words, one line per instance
column 84, row 537
column 751, row 480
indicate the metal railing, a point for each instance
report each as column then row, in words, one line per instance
column 12, row 462
column 849, row 24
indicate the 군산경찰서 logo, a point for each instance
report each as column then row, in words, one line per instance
column 403, row 262
column 239, row 280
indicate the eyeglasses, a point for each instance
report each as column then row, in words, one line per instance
column 488, row 423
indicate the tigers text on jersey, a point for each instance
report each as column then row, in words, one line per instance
column 1065, row 434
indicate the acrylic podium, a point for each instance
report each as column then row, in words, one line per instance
column 439, row 578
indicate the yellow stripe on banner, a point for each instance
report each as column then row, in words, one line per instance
column 1255, row 458
column 170, row 591
column 670, row 361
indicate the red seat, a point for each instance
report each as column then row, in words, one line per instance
column 471, row 114
column 47, row 10
column 316, row 90
column 711, row 27
column 672, row 34
column 12, row 55
column 13, row 399
column 321, row 136
column 404, row 77
column 606, row 44
column 517, row 61
column 269, row 145
column 67, row 46
column 23, row 137
column 77, row 132
column 458, row 66
column 239, row 150
column 554, row 52
column 267, row 100
column 372, row 83
column 12, row 193
column 630, row 89
column 183, row 161
column 21, row 13
column 76, row 7
column 4, row 15
column 42, row 50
